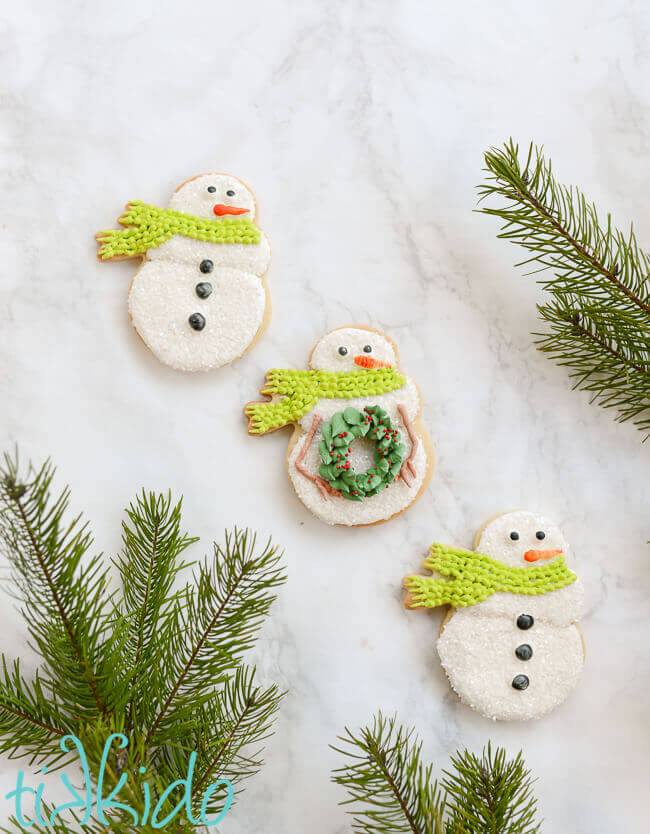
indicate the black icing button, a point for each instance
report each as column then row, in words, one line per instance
column 197, row 321
column 520, row 682
column 524, row 652
column 203, row 289
column 206, row 266
column 525, row 621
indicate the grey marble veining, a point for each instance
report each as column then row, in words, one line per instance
column 360, row 127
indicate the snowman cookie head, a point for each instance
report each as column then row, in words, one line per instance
column 214, row 195
column 354, row 348
column 522, row 538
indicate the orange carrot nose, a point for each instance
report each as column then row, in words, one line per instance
column 534, row 555
column 220, row 209
column 365, row 361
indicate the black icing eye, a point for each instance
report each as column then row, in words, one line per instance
column 540, row 534
column 343, row 350
column 514, row 535
column 230, row 193
column 367, row 348
column 211, row 189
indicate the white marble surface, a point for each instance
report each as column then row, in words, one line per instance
column 360, row 127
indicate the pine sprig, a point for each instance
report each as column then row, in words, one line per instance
column 158, row 662
column 63, row 601
column 152, row 542
column 598, row 313
column 393, row 790
column 490, row 793
column 226, row 733
column 30, row 717
column 214, row 623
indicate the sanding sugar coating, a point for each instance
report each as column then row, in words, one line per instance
column 199, row 300
column 163, row 297
column 478, row 646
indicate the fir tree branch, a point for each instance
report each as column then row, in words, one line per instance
column 164, row 665
column 56, row 597
column 599, row 309
column 62, row 602
column 226, row 733
column 217, row 621
column 491, row 793
column 31, row 721
column 149, row 563
column 580, row 250
column 393, row 790
column 387, row 781
column 580, row 328
column 239, row 717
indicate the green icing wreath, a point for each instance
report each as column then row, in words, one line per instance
column 338, row 435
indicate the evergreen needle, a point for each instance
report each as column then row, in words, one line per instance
column 598, row 312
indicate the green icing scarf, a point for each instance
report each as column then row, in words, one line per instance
column 476, row 577
column 301, row 390
column 149, row 226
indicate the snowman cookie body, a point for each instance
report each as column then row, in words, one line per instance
column 199, row 304
column 515, row 656
column 344, row 351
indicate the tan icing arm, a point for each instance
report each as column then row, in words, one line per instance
column 323, row 487
column 408, row 467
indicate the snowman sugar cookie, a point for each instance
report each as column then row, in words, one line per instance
column 199, row 299
column 510, row 643
column 359, row 453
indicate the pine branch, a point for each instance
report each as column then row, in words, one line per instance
column 226, row 733
column 599, row 307
column 393, row 790
column 162, row 666
column 149, row 563
column 239, row 718
column 31, row 721
column 62, row 600
column 491, row 794
column 217, row 621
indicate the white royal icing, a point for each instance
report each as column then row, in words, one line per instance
column 477, row 645
column 560, row 608
column 163, row 296
column 248, row 257
column 478, row 656
column 193, row 197
column 327, row 355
